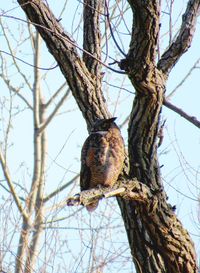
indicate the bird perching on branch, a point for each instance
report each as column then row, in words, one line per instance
column 102, row 157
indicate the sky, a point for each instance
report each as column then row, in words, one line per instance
column 179, row 153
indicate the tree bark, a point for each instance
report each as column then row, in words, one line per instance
column 157, row 239
column 158, row 236
column 64, row 49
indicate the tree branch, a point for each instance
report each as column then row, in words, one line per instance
column 89, row 98
column 144, row 37
column 183, row 40
column 195, row 66
column 157, row 240
column 52, row 115
column 128, row 190
column 37, row 104
column 38, row 185
column 47, row 198
column 152, row 237
column 111, row 30
column 140, row 63
column 11, row 186
column 92, row 36
column 12, row 54
column 16, row 91
column 179, row 111
column 52, row 99
column 158, row 218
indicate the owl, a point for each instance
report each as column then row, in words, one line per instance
column 102, row 157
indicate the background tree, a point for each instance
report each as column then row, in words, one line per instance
column 157, row 240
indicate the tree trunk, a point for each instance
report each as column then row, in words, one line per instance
column 157, row 239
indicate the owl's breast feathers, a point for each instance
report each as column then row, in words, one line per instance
column 102, row 158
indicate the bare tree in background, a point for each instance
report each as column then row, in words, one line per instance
column 158, row 242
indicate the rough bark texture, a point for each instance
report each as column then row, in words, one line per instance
column 158, row 236
column 157, row 239
column 64, row 49
column 183, row 40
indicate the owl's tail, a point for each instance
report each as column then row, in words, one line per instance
column 91, row 207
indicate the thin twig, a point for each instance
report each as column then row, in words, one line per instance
column 195, row 65
column 16, row 91
column 170, row 21
column 52, row 99
column 118, row 87
column 52, row 115
column 66, row 38
column 13, row 56
column 47, row 198
column 179, row 111
column 29, row 64
column 11, row 186
column 111, row 31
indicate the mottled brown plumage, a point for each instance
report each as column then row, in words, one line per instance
column 102, row 157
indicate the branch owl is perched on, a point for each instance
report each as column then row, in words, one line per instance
column 102, row 157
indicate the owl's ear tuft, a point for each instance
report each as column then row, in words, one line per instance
column 112, row 119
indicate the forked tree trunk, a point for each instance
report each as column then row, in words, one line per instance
column 157, row 239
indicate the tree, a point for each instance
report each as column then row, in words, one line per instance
column 157, row 239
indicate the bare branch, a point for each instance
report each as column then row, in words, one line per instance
column 11, row 186
column 130, row 190
column 27, row 63
column 111, row 30
column 37, row 138
column 16, row 91
column 170, row 20
column 38, row 182
column 55, row 94
column 179, row 111
column 89, row 98
column 183, row 40
column 12, row 54
column 22, row 247
column 47, row 198
column 195, row 65
column 67, row 39
column 52, row 115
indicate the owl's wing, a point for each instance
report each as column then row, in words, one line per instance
column 85, row 174
column 87, row 155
